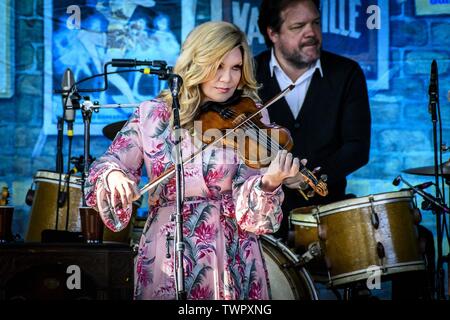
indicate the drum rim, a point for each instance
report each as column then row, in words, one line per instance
column 350, row 204
column 43, row 175
column 361, row 274
column 277, row 243
column 309, row 220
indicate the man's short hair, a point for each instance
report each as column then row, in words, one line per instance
column 270, row 15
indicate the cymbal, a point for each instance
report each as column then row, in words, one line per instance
column 429, row 171
column 110, row 131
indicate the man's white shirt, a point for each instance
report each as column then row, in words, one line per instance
column 296, row 97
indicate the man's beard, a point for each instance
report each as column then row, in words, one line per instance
column 297, row 59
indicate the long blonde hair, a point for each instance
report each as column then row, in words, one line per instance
column 200, row 57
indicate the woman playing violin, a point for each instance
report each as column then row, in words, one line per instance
column 226, row 203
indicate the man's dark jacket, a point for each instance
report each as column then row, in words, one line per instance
column 332, row 129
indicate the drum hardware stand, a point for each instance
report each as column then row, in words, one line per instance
column 314, row 251
column 438, row 208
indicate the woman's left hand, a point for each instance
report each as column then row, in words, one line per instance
column 298, row 181
column 281, row 168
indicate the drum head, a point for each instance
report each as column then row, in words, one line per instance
column 286, row 281
column 349, row 204
column 55, row 178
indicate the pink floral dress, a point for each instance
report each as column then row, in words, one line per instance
column 224, row 212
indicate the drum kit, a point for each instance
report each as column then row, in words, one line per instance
column 358, row 239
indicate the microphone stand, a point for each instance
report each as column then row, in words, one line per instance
column 175, row 82
column 59, row 146
column 158, row 67
column 86, row 111
column 433, row 200
column 433, row 93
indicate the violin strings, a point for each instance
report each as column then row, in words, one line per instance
column 270, row 143
column 250, row 125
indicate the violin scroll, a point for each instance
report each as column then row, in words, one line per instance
column 312, row 184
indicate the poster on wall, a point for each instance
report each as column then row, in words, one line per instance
column 359, row 29
column 83, row 35
column 6, row 50
column 432, row 7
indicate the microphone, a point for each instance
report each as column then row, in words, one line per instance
column 74, row 170
column 175, row 82
column 421, row 186
column 69, row 111
column 433, row 91
column 135, row 63
column 419, row 190
column 424, row 185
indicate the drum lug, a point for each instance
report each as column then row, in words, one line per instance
column 374, row 216
column 375, row 220
column 417, row 216
column 322, row 232
column 328, row 262
column 380, row 250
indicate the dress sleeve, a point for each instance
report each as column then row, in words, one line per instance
column 257, row 211
column 124, row 154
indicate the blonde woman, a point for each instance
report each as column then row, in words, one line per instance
column 227, row 204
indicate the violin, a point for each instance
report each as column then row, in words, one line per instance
column 237, row 123
column 255, row 142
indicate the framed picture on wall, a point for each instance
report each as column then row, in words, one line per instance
column 432, row 7
column 6, row 49
column 86, row 34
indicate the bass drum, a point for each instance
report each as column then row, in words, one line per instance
column 286, row 281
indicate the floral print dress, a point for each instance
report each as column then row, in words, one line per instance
column 224, row 211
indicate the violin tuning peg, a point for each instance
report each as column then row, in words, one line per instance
column 316, row 170
column 311, row 193
column 324, row 177
column 303, row 185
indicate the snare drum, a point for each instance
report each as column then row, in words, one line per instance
column 374, row 233
column 304, row 225
column 286, row 281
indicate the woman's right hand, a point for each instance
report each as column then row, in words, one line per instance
column 123, row 190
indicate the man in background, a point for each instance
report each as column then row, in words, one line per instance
column 327, row 112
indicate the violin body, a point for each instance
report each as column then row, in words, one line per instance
column 255, row 142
